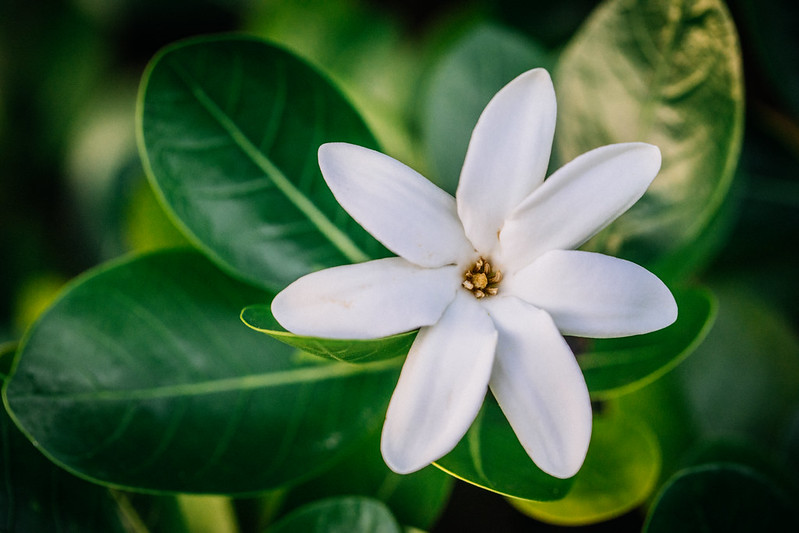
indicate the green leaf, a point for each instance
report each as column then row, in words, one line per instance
column 366, row 51
column 477, row 66
column 351, row 514
column 739, row 384
column 7, row 351
column 143, row 376
column 721, row 497
column 668, row 73
column 490, row 456
column 37, row 496
column 145, row 226
column 229, row 129
column 415, row 499
column 742, row 381
column 619, row 473
column 259, row 317
column 613, row 367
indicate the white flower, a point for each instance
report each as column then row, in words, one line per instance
column 491, row 278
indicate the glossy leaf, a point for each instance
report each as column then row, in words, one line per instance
column 721, row 497
column 472, row 71
column 490, row 456
column 38, row 496
column 356, row 514
column 228, row 130
column 620, row 472
column 617, row 366
column 259, row 317
column 668, row 73
column 143, row 376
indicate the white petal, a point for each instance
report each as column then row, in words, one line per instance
column 539, row 387
column 507, row 157
column 578, row 200
column 594, row 295
column 402, row 209
column 441, row 387
column 366, row 300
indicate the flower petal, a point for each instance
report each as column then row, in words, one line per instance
column 594, row 295
column 366, row 300
column 577, row 201
column 401, row 208
column 507, row 157
column 441, row 387
column 539, row 387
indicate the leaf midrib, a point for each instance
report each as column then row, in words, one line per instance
column 326, row 227
column 312, row 374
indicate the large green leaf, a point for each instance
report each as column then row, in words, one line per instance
column 143, row 376
column 38, row 496
column 229, row 128
column 259, row 317
column 617, row 366
column 471, row 72
column 721, row 497
column 619, row 473
column 490, row 456
column 668, row 73
column 348, row 514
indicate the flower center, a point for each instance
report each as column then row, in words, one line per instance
column 480, row 280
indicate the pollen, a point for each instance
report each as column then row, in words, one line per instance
column 481, row 280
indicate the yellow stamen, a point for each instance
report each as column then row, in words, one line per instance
column 480, row 280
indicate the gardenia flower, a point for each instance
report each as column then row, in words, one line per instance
column 491, row 277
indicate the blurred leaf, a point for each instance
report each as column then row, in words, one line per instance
column 474, row 69
column 551, row 22
column 617, row 366
column 151, row 513
column 146, row 225
column 229, row 128
column 745, row 453
column 770, row 30
column 740, row 384
column 351, row 514
column 668, row 73
column 259, row 317
column 208, row 514
column 34, row 296
column 7, row 351
column 364, row 49
column 143, row 376
column 721, row 497
column 38, row 496
column 490, row 456
column 619, row 473
column 742, row 381
column 101, row 161
column 662, row 406
column 761, row 255
column 415, row 499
